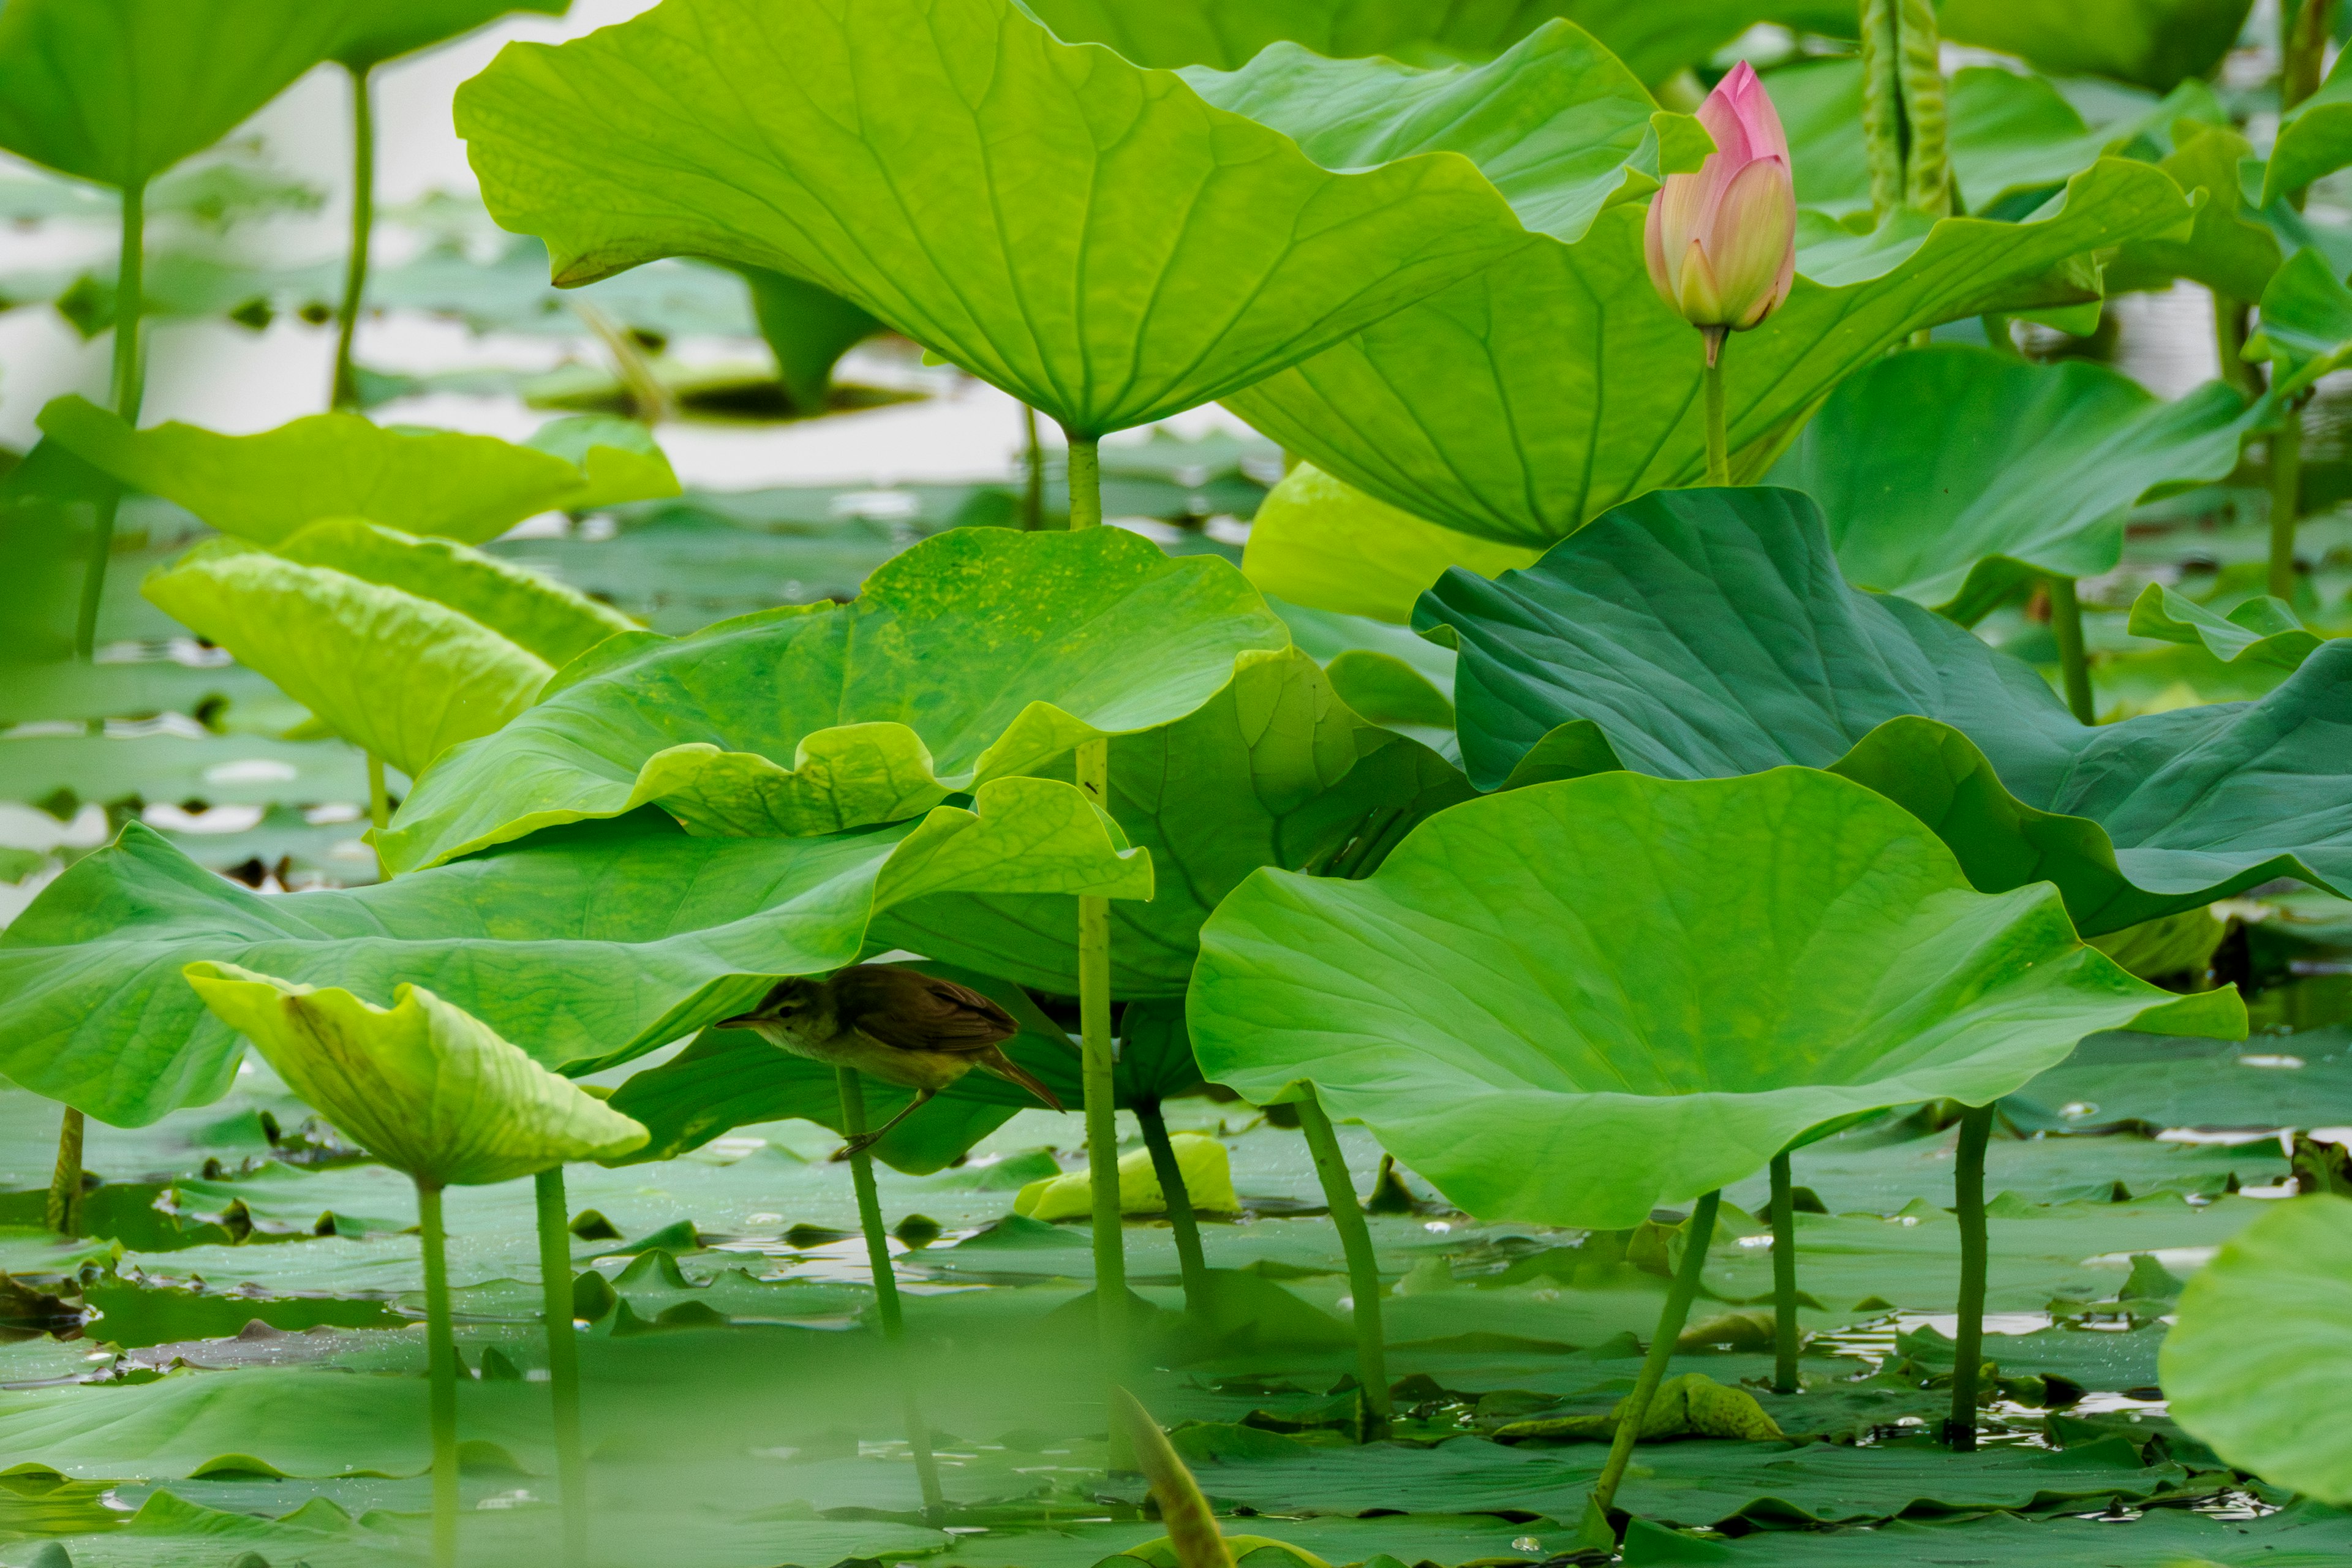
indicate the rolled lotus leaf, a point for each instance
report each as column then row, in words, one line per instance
column 978, row 654
column 2262, row 630
column 2259, row 1361
column 1700, row 634
column 423, row 1085
column 1571, row 1003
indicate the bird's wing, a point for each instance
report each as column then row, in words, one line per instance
column 915, row 1012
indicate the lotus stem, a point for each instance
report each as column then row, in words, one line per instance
column 1189, row 1259
column 1926, row 167
column 1998, row 335
column 1192, row 1524
column 1968, row 1344
column 1085, row 481
column 1363, row 1267
column 563, row 1361
column 886, row 1292
column 2287, row 500
column 1032, row 499
column 1785, row 1331
column 1882, row 103
column 2229, row 343
column 344, row 392
column 1679, row 1297
column 130, row 377
column 2304, row 29
column 1719, row 443
column 63, row 1211
column 2073, row 665
column 441, row 1368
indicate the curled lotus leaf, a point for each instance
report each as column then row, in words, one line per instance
column 2262, row 630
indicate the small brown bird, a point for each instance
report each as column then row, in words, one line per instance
column 911, row 1029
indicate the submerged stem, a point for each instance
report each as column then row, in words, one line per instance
column 2074, row 664
column 129, row 385
column 1718, row 444
column 1356, row 1241
column 1968, row 1344
column 344, row 392
column 1679, row 1297
column 886, row 1292
column 1785, row 1331
column 63, row 1213
column 1189, row 1259
column 563, row 1361
column 2287, row 500
column 441, row 1369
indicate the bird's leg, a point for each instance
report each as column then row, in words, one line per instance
column 860, row 1145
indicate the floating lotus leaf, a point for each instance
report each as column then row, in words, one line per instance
column 589, row 947
column 1571, row 1003
column 265, row 487
column 379, row 30
column 1699, row 634
column 400, row 677
column 2259, row 1361
column 1273, row 770
column 2149, row 43
column 423, row 1085
column 1956, row 476
column 2314, row 137
column 2262, row 630
column 1093, row 237
column 978, row 654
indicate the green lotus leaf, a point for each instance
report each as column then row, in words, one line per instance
column 423, row 1085
column 1571, row 1003
column 2259, row 1361
column 1273, row 770
column 400, row 677
column 120, row 92
column 1698, row 633
column 1482, row 408
column 587, row 947
column 2262, row 630
column 1318, row 541
column 2314, row 137
column 265, row 487
column 1956, row 476
column 1088, row 236
column 2229, row 248
column 2306, row 324
column 555, row 623
column 2149, row 43
column 379, row 30
column 978, row 654
column 808, row 329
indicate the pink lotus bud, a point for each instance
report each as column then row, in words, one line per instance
column 1722, row 243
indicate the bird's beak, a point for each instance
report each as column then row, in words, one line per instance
column 744, row 1022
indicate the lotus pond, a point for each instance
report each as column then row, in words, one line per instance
column 1030, row 783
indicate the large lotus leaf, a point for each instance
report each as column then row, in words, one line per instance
column 1088, row 236
column 587, row 947
column 1273, row 770
column 2259, row 1361
column 265, row 487
column 379, row 30
column 2149, row 43
column 978, row 653
column 2262, row 630
column 1524, row 402
column 1955, row 476
column 119, row 90
column 2306, row 324
column 424, row 1087
column 1697, row 633
column 400, row 677
column 1573, row 1001
column 2315, row 137
column 556, row 623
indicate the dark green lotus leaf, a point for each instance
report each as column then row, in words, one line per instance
column 1274, row 769
column 1956, row 476
column 2230, row 247
column 2306, row 324
column 2314, row 137
column 2262, row 630
column 589, row 947
column 2148, row 43
column 438, row 482
column 1090, row 237
column 1697, row 633
column 121, row 91
column 379, row 30
column 2259, row 1361
column 979, row 653
column 1570, row 1003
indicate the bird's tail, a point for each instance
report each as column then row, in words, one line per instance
column 1006, row 1068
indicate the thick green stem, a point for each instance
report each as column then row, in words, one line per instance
column 344, row 393
column 2074, row 664
column 130, row 379
column 2304, row 31
column 1679, row 1297
column 1085, row 481
column 1968, row 1344
column 1356, row 1241
column 441, row 1368
column 1927, row 165
column 2287, row 500
column 64, row 1209
column 1718, row 442
column 886, row 1292
column 1189, row 1259
column 1882, row 103
column 1033, row 501
column 563, row 1361
column 2229, row 343
column 1785, row 1331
